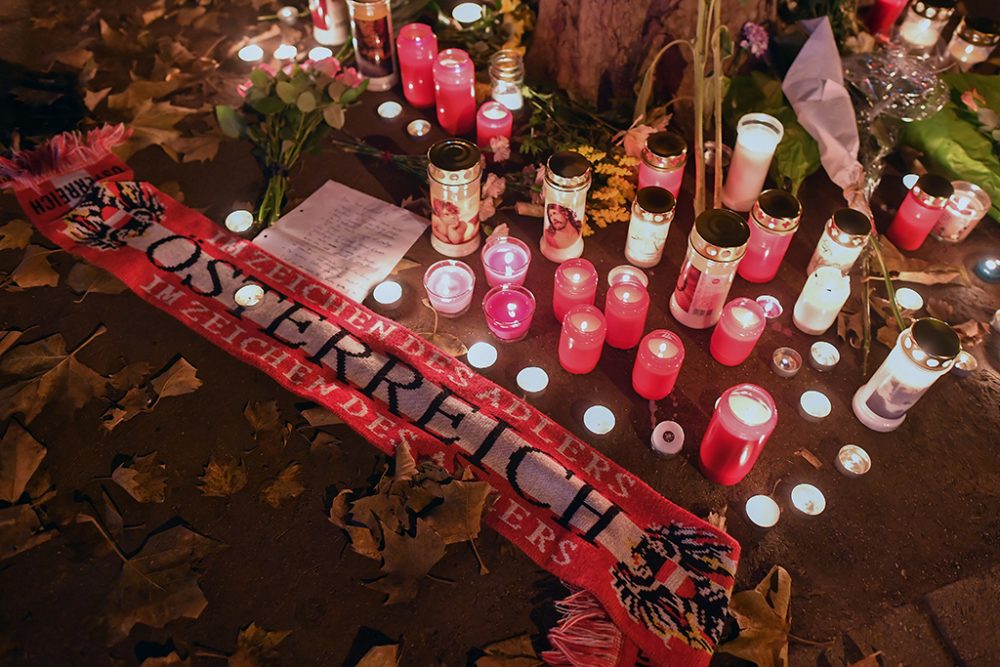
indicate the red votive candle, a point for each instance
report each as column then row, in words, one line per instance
column 455, row 91
column 625, row 307
column 416, row 48
column 774, row 219
column 505, row 260
column 657, row 364
column 742, row 422
column 738, row 330
column 493, row 120
column 508, row 310
column 582, row 339
column 576, row 283
column 920, row 211
column 883, row 14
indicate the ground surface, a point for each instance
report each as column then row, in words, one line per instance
column 925, row 517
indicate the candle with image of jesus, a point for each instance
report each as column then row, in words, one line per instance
column 331, row 24
column 567, row 180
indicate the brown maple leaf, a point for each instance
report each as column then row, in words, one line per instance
column 222, row 477
column 87, row 279
column 406, row 560
column 21, row 530
column 764, row 619
column 130, row 375
column 34, row 270
column 386, row 655
column 286, row 486
column 514, row 652
column 256, row 647
column 20, row 456
column 270, row 430
column 176, row 380
column 15, row 235
column 144, row 479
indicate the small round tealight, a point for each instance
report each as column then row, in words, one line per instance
column 910, row 180
column 667, row 439
column 814, row 405
column 532, row 380
column 624, row 272
column 249, row 296
column 762, row 511
column 823, row 356
column 853, row 461
column 786, row 362
column 807, row 499
column 909, row 299
column 995, row 322
column 239, row 221
column 286, row 52
column 770, row 305
column 288, row 15
column 387, row 293
column 965, row 364
column 481, row 355
column 599, row 420
column 418, row 128
column 318, row 53
column 251, row 53
column 389, row 110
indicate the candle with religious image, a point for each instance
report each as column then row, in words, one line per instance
column 920, row 211
column 715, row 247
column 626, row 305
column 371, row 25
column 493, row 120
column 663, row 160
column 509, row 310
column 924, row 352
column 331, row 23
column 923, row 22
column 973, row 41
column 842, row 240
column 575, row 284
column 965, row 208
column 505, row 260
column 453, row 171
column 882, row 15
column 455, row 91
column 824, row 294
column 774, row 219
column 652, row 213
column 657, row 364
column 581, row 339
column 737, row 332
column 417, row 48
column 744, row 419
column 757, row 137
column 567, row 180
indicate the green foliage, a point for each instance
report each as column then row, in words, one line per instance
column 558, row 122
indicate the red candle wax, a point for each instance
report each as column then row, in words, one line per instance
column 416, row 48
column 582, row 339
column 774, row 219
column 737, row 331
column 508, row 310
column 493, row 120
column 657, row 364
column 625, row 308
column 919, row 212
column 883, row 14
column 742, row 422
column 455, row 91
column 576, row 283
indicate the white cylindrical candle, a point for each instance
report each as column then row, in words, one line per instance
column 599, row 420
column 481, row 355
column 757, row 137
column 822, row 297
column 762, row 511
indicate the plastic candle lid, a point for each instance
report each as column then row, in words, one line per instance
column 852, row 221
column 667, row 438
column 722, row 228
column 666, row 144
column 655, row 199
column 453, row 155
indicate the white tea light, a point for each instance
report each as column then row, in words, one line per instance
column 809, row 500
column 910, row 180
column 239, row 221
column 467, row 13
column 814, row 406
column 532, row 380
column 667, row 439
column 318, row 53
column 599, row 420
column 786, row 362
column 762, row 511
column 418, row 128
column 853, row 461
column 481, row 355
column 387, row 292
column 823, row 356
column 770, row 305
column 389, row 110
column 249, row 296
column 288, row 15
column 251, row 53
column 909, row 299
column 286, row 52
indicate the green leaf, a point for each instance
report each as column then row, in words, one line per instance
column 352, row 94
column 260, row 79
column 306, row 102
column 286, row 92
column 230, row 122
column 334, row 116
column 336, row 89
column 268, row 106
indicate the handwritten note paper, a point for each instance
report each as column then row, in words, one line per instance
column 344, row 238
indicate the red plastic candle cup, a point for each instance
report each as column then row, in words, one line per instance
column 449, row 284
column 508, row 310
column 883, row 15
column 582, row 339
column 576, row 283
column 455, row 91
column 663, row 160
column 737, row 332
column 920, row 211
column 505, row 260
column 657, row 364
column 625, row 307
column 493, row 120
column 743, row 420
column 416, row 48
column 774, row 219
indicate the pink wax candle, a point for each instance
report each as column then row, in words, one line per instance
column 742, row 422
column 449, row 284
column 416, row 48
column 582, row 339
column 774, row 219
column 455, row 91
column 493, row 120
column 737, row 331
column 576, row 283
column 508, row 310
column 663, row 160
column 920, row 211
column 657, row 364
column 505, row 260
column 883, row 14
column 625, row 307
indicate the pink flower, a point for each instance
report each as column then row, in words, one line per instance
column 244, row 88
column 494, row 187
column 350, row 77
column 501, row 148
column 972, row 99
column 329, row 66
column 634, row 139
column 486, row 209
column 755, row 39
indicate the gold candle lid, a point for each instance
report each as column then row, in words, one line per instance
column 979, row 31
column 453, row 161
column 777, row 211
column 665, row 150
column 720, row 235
column 937, row 10
column 568, row 169
column 931, row 343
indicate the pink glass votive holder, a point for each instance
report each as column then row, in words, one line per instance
column 417, row 47
column 493, row 120
column 625, row 308
column 737, row 332
column 575, row 284
column 505, row 260
column 657, row 364
column 449, row 284
column 455, row 91
column 508, row 310
column 582, row 339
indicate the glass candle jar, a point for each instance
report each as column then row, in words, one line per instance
column 567, row 180
column 843, row 239
column 757, row 137
column 507, row 78
column 923, row 353
column 883, row 14
column 920, row 211
column 652, row 213
column 657, row 364
column 331, row 23
column 455, row 91
column 371, row 25
column 626, row 305
column 824, row 294
column 449, row 284
column 739, row 328
column 416, row 48
column 505, row 260
column 575, row 284
column 715, row 247
column 973, row 41
column 663, row 159
column 922, row 25
column 774, row 219
column 493, row 120
column 509, row 310
column 744, row 419
column 453, row 171
column 965, row 208
column 582, row 339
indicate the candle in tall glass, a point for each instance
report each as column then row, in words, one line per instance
column 922, row 25
column 920, row 211
column 923, row 352
column 883, row 14
column 371, row 25
column 757, row 137
column 744, row 419
column 973, row 41
column 507, row 78
column 824, row 294
column 449, row 284
column 331, row 23
column 493, row 120
column 737, row 332
column 455, row 91
column 774, row 219
column 453, row 171
column 509, row 310
column 582, row 339
column 965, row 208
column 575, row 284
column 843, row 239
column 663, row 160
column 505, row 260
column 625, row 308
column 416, row 48
column 652, row 213
column 567, row 180
column 657, row 364
column 715, row 247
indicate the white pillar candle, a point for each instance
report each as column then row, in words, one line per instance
column 757, row 137
column 822, row 297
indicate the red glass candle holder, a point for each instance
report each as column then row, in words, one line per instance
column 743, row 420
column 625, row 308
column 493, row 120
column 774, row 219
column 509, row 310
column 663, row 160
column 920, row 211
column 416, row 48
column 737, row 332
column 883, row 14
column 582, row 339
column 455, row 91
column 657, row 364
column 575, row 284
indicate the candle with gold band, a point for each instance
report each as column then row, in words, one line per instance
column 567, row 180
column 453, row 171
column 774, row 219
column 371, row 25
column 843, row 239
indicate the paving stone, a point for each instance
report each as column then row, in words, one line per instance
column 965, row 615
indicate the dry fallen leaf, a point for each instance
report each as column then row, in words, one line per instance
column 111, row 515
column 34, row 270
column 153, row 125
column 15, row 235
column 139, row 91
column 386, row 655
column 20, row 530
column 514, row 652
column 286, row 486
column 319, row 416
column 459, row 516
column 145, row 479
column 448, row 343
column 179, row 379
column 196, row 149
column 86, row 278
column 8, row 339
column 222, row 477
column 869, row 661
column 404, row 265
column 270, row 430
column 718, row 519
column 971, row 333
column 135, row 401
column 91, row 98
column 20, row 456
column 130, row 375
column 915, row 270
column 940, row 308
column 764, row 620
column 169, row 660
column 256, row 647
column 406, row 560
